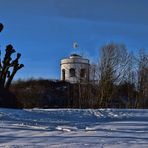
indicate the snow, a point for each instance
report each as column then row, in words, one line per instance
column 73, row 128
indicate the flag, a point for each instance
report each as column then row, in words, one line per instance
column 75, row 45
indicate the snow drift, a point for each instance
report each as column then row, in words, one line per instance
column 73, row 128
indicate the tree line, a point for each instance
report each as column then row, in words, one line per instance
column 119, row 79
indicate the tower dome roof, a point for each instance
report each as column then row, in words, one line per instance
column 75, row 56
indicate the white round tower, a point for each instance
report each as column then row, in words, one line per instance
column 75, row 69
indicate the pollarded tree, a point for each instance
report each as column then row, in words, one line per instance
column 8, row 66
column 1, row 27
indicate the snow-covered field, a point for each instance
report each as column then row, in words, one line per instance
column 73, row 128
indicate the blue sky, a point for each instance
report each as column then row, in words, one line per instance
column 44, row 30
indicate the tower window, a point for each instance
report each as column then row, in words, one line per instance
column 72, row 72
column 82, row 73
column 63, row 74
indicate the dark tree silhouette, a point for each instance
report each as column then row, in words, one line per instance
column 1, row 27
column 8, row 66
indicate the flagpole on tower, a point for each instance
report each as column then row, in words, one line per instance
column 75, row 48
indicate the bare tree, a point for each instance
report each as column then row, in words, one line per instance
column 143, row 78
column 112, row 68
